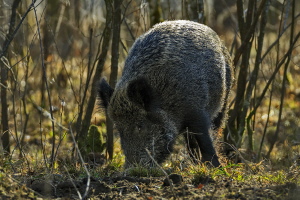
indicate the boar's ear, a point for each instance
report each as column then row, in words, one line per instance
column 104, row 92
column 139, row 92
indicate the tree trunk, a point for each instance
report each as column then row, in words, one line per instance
column 101, row 61
column 4, row 77
column 114, row 70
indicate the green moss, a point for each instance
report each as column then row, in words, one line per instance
column 93, row 142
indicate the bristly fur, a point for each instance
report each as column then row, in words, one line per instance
column 177, row 76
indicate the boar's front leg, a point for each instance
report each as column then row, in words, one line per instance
column 199, row 124
column 208, row 152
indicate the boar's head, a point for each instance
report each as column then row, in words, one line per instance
column 142, row 124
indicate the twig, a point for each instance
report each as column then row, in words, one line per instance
column 239, row 153
column 6, row 64
column 78, row 192
column 277, row 40
column 127, row 25
column 47, row 114
column 283, row 87
column 22, row 184
column 11, row 36
column 165, row 173
column 61, row 14
column 82, row 162
column 90, row 71
column 63, row 64
column 278, row 66
column 266, row 126
column 47, row 87
column 253, row 78
column 249, row 33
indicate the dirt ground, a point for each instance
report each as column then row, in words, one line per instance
column 153, row 188
column 126, row 187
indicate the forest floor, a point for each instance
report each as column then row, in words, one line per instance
column 238, row 181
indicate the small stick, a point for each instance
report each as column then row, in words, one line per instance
column 165, row 173
column 84, row 166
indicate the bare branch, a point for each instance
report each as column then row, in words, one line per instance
column 249, row 33
column 12, row 32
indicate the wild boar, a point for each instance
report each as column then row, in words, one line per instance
column 177, row 77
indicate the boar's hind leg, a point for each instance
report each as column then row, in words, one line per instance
column 199, row 125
